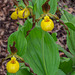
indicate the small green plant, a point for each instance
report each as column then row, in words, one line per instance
column 33, row 48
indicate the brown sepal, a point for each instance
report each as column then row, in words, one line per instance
column 15, row 2
column 58, row 13
column 13, row 48
column 46, row 7
column 26, row 2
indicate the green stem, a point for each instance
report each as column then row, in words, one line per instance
column 43, row 51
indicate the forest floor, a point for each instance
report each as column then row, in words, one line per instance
column 8, row 26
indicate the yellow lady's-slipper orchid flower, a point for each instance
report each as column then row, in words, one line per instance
column 47, row 24
column 14, row 15
column 12, row 66
column 24, row 13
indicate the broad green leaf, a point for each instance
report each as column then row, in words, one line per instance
column 28, row 22
column 37, row 8
column 43, row 56
column 21, row 4
column 60, row 72
column 53, row 6
column 66, row 65
column 58, row 0
column 21, row 72
column 21, row 43
column 69, row 20
column 54, row 36
column 73, row 21
column 66, row 17
column 27, row 26
column 73, row 73
column 70, row 25
column 71, row 41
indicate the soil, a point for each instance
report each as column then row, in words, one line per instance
column 8, row 26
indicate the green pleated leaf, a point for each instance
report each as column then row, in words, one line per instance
column 73, row 73
column 66, row 17
column 54, row 36
column 27, row 26
column 43, row 56
column 71, row 41
column 37, row 7
column 66, row 65
column 21, row 4
column 58, row 0
column 21, row 43
column 53, row 6
column 69, row 20
column 21, row 72
column 70, row 25
column 73, row 21
column 60, row 72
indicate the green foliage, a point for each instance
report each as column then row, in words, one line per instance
column 44, row 60
column 54, row 36
column 73, row 73
column 27, row 26
column 71, row 41
column 21, row 43
column 66, row 17
column 69, row 20
column 53, row 6
column 21, row 4
column 60, row 72
column 37, row 6
column 70, row 25
column 66, row 65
